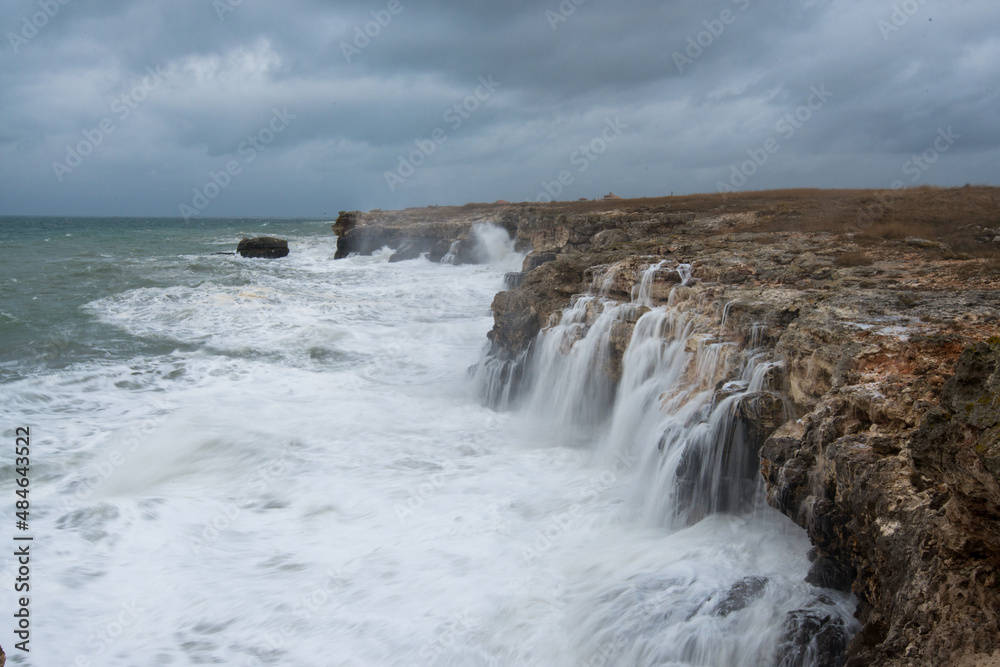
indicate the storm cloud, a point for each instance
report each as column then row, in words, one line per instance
column 247, row 108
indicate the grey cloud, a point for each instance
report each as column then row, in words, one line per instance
column 561, row 79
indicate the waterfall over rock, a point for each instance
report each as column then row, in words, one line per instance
column 664, row 397
column 657, row 385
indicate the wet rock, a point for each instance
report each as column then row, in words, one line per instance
column 346, row 221
column 902, row 512
column 812, row 638
column 513, row 279
column 621, row 335
column 761, row 414
column 439, row 249
column 740, row 595
column 467, row 252
column 830, row 573
column 266, row 247
column 536, row 259
column 520, row 313
column 989, row 451
column 719, row 479
column 410, row 249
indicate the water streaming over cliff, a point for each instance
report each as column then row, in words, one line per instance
column 670, row 424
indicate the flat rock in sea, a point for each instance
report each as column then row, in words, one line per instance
column 267, row 247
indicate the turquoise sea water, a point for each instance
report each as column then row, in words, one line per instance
column 53, row 267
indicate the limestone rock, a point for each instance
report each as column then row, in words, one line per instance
column 973, row 392
column 608, row 237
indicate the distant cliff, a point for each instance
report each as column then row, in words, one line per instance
column 885, row 309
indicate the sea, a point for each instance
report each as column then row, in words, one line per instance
column 296, row 462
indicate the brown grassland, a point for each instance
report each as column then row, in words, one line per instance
column 958, row 217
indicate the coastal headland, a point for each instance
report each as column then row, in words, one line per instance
column 884, row 309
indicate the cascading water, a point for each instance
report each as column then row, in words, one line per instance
column 671, row 432
column 572, row 390
column 449, row 257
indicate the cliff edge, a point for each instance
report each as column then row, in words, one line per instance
column 884, row 308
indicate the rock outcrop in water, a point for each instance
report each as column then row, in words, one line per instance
column 263, row 247
column 886, row 448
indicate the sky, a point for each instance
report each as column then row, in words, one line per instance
column 216, row 108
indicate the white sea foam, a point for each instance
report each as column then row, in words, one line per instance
column 304, row 476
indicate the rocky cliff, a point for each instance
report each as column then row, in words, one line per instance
column 886, row 314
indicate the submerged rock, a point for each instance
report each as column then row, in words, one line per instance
column 740, row 595
column 812, row 638
column 266, row 247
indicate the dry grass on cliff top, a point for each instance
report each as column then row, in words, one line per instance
column 941, row 214
column 954, row 216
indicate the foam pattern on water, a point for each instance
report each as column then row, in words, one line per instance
column 301, row 473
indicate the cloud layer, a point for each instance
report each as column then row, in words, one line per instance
column 155, row 108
